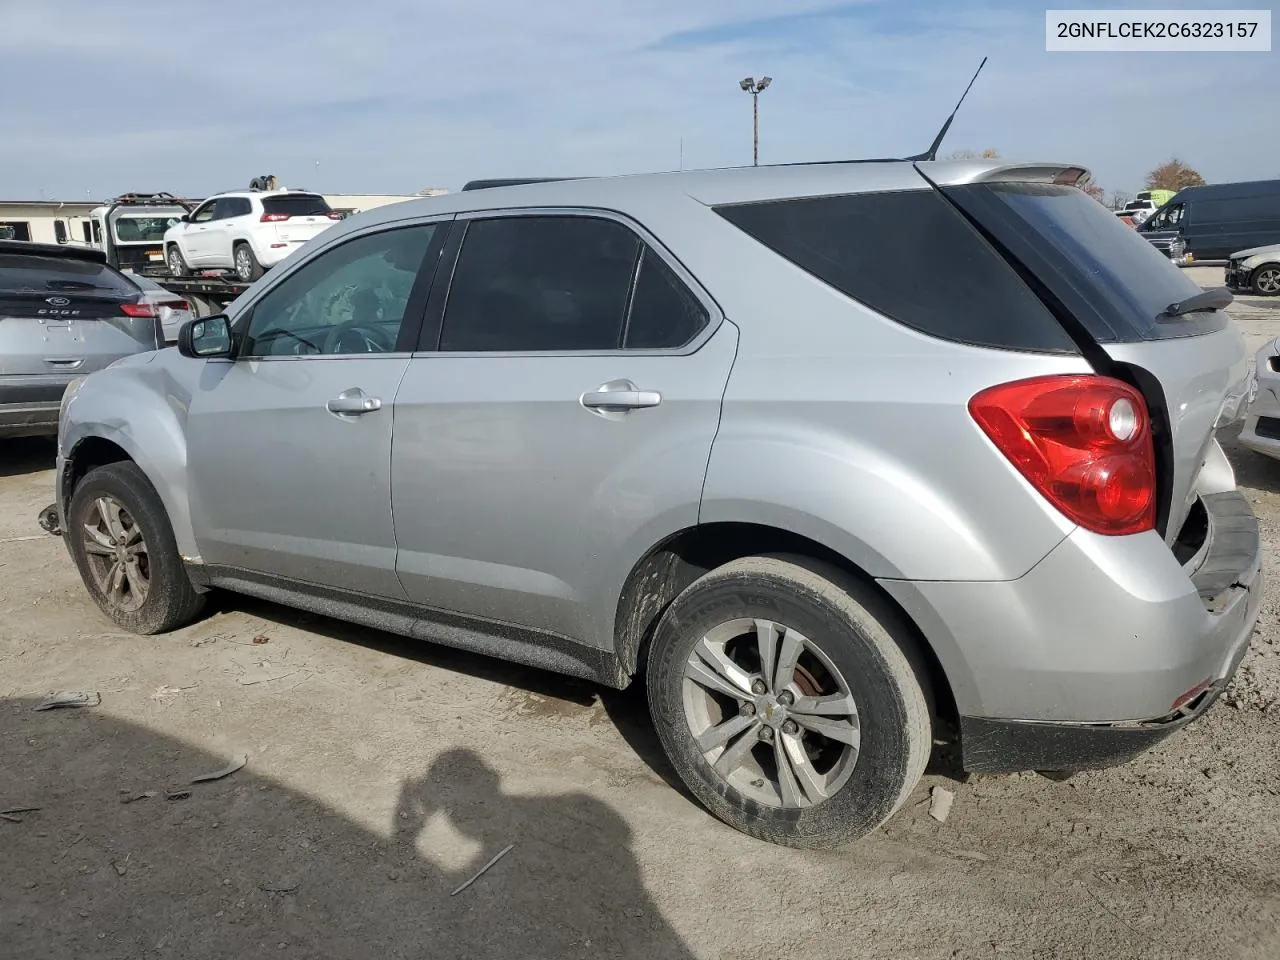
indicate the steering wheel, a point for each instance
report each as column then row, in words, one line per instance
column 356, row 338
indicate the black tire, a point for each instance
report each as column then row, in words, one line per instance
column 1265, row 281
column 860, row 634
column 169, row 601
column 176, row 262
column 246, row 265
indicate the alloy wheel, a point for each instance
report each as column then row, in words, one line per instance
column 771, row 713
column 117, row 553
column 243, row 267
column 1268, row 280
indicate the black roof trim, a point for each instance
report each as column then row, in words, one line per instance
column 486, row 184
column 68, row 252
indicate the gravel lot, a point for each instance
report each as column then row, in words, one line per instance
column 382, row 773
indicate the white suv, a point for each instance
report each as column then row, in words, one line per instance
column 245, row 232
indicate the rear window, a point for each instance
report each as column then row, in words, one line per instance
column 912, row 257
column 296, row 205
column 23, row 273
column 1109, row 278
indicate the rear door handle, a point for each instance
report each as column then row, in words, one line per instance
column 353, row 403
column 620, row 395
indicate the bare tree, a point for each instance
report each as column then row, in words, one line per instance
column 991, row 153
column 1173, row 175
column 1119, row 199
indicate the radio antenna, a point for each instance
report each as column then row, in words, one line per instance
column 932, row 152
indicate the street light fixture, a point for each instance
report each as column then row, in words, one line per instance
column 755, row 87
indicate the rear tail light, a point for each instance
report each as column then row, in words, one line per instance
column 334, row 216
column 152, row 309
column 273, row 217
column 1083, row 441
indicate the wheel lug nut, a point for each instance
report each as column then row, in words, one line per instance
column 758, row 687
column 786, row 698
column 791, row 728
column 748, row 709
column 766, row 733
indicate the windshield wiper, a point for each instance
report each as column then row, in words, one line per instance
column 1204, row 302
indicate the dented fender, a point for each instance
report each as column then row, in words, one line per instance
column 140, row 406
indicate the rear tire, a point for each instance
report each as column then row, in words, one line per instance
column 847, row 720
column 247, row 267
column 176, row 262
column 1265, row 281
column 122, row 543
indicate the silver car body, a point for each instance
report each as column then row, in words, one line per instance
column 59, row 322
column 484, row 506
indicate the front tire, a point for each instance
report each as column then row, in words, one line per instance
column 784, row 696
column 123, row 545
column 176, row 263
column 247, row 267
column 1265, row 281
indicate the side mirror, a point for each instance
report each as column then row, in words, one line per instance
column 205, row 338
column 185, row 218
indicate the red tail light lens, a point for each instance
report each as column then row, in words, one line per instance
column 334, row 216
column 137, row 310
column 1083, row 441
column 273, row 217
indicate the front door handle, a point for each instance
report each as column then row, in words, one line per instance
column 353, row 403
column 620, row 395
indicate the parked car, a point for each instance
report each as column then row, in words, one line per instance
column 63, row 313
column 1210, row 222
column 1261, row 431
column 1256, row 270
column 246, row 232
column 703, row 432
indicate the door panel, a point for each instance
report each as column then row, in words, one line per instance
column 195, row 235
column 281, row 485
column 289, row 447
column 516, row 502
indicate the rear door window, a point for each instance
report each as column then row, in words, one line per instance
column 540, row 283
column 912, row 257
column 296, row 205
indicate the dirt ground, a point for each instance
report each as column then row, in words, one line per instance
column 382, row 773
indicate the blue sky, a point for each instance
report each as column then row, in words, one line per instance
column 396, row 95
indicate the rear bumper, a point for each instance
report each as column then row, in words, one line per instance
column 269, row 255
column 29, row 405
column 1096, row 644
column 1009, row 746
column 29, row 419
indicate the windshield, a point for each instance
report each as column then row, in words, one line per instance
column 296, row 205
column 134, row 228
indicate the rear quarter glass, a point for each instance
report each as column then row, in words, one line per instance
column 911, row 256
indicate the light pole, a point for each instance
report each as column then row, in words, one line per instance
column 755, row 87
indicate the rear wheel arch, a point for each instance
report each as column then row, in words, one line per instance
column 673, row 564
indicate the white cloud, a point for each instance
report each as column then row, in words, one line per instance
column 395, row 95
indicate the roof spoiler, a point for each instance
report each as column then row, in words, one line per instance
column 67, row 252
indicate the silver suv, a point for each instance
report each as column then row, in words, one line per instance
column 831, row 458
column 64, row 313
